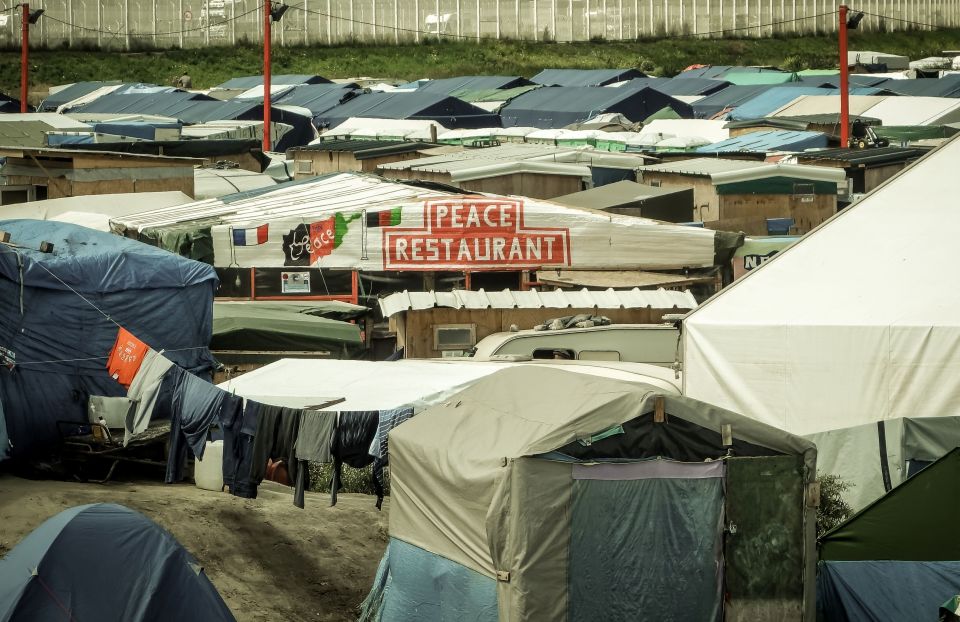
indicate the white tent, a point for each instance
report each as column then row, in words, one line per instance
column 416, row 383
column 95, row 210
column 855, row 323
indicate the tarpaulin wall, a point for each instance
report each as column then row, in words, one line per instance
column 55, row 333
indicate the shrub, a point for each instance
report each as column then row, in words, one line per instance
column 833, row 510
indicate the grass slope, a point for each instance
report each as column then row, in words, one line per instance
column 211, row 66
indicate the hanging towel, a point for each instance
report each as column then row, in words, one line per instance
column 143, row 391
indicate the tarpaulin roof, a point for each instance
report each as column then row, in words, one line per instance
column 669, row 86
column 730, row 97
column 317, row 98
column 719, row 72
column 255, row 326
column 763, row 103
column 448, row 111
column 855, row 360
column 773, row 140
column 922, row 512
column 743, row 78
column 105, row 562
column 454, row 86
column 585, row 77
column 558, row 107
column 249, row 82
column 947, row 86
column 71, row 92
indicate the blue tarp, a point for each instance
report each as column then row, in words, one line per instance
column 884, row 590
column 108, row 563
column 557, row 107
column 318, row 98
column 421, row 585
column 765, row 102
column 70, row 93
column 53, row 339
column 730, row 97
column 773, row 140
column 585, row 77
column 450, row 112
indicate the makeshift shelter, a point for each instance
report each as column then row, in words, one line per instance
column 591, row 498
column 673, row 87
column 633, row 199
column 60, row 312
column 748, row 78
column 719, row 72
column 897, row 559
column 765, row 102
column 462, row 84
column 558, row 107
column 318, row 98
column 769, row 346
column 726, row 100
column 448, row 111
column 109, row 563
column 585, row 77
column 266, row 327
column 93, row 211
column 865, row 168
column 286, row 79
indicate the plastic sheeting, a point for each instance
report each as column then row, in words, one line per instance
column 557, row 107
column 68, row 568
column 424, row 586
column 53, row 339
column 884, row 590
column 662, row 564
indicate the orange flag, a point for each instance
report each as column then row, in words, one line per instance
column 126, row 357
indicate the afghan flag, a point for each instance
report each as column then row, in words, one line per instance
column 384, row 218
column 251, row 237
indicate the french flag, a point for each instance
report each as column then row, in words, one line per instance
column 250, row 237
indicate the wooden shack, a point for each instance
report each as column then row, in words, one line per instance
column 455, row 321
column 56, row 173
column 360, row 156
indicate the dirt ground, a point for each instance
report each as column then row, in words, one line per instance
column 269, row 559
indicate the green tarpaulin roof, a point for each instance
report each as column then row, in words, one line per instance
column 274, row 327
column 916, row 521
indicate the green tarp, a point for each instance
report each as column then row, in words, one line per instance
column 916, row 521
column 270, row 327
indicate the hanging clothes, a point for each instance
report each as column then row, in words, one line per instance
column 126, row 357
column 351, row 446
column 388, row 420
column 231, row 419
column 314, row 439
column 196, row 405
column 238, row 452
column 275, row 439
column 144, row 390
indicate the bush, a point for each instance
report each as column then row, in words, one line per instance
column 353, row 480
column 833, row 510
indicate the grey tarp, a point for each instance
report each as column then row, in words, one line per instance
column 557, row 107
column 105, row 562
column 585, row 77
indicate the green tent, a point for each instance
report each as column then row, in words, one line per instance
column 664, row 113
column 916, row 521
column 271, row 327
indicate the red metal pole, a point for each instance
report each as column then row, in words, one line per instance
column 24, row 47
column 844, row 81
column 266, row 75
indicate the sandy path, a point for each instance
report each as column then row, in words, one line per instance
column 269, row 559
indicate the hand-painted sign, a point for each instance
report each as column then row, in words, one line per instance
column 474, row 233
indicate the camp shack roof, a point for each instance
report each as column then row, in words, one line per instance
column 585, row 77
column 454, row 86
column 558, row 107
column 317, row 98
column 448, row 111
column 364, row 149
column 767, row 141
column 864, row 158
column 249, row 82
column 947, row 86
column 730, row 97
column 23, row 133
column 719, row 72
column 765, row 102
column 815, row 104
column 618, row 194
column 701, row 167
column 906, row 110
column 69, row 92
column 723, row 171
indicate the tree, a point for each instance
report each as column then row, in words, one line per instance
column 832, row 510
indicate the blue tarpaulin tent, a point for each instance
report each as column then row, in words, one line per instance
column 585, row 77
column 108, row 563
column 60, row 312
column 557, row 107
column 449, row 112
column 452, row 86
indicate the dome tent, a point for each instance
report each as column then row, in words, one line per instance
column 60, row 312
column 105, row 562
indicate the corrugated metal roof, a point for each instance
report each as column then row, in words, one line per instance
column 765, row 141
column 363, row 149
column 557, row 299
column 862, row 157
column 702, row 166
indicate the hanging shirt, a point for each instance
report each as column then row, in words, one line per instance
column 143, row 392
column 388, row 420
column 314, row 439
column 126, row 357
column 196, row 405
column 351, row 446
